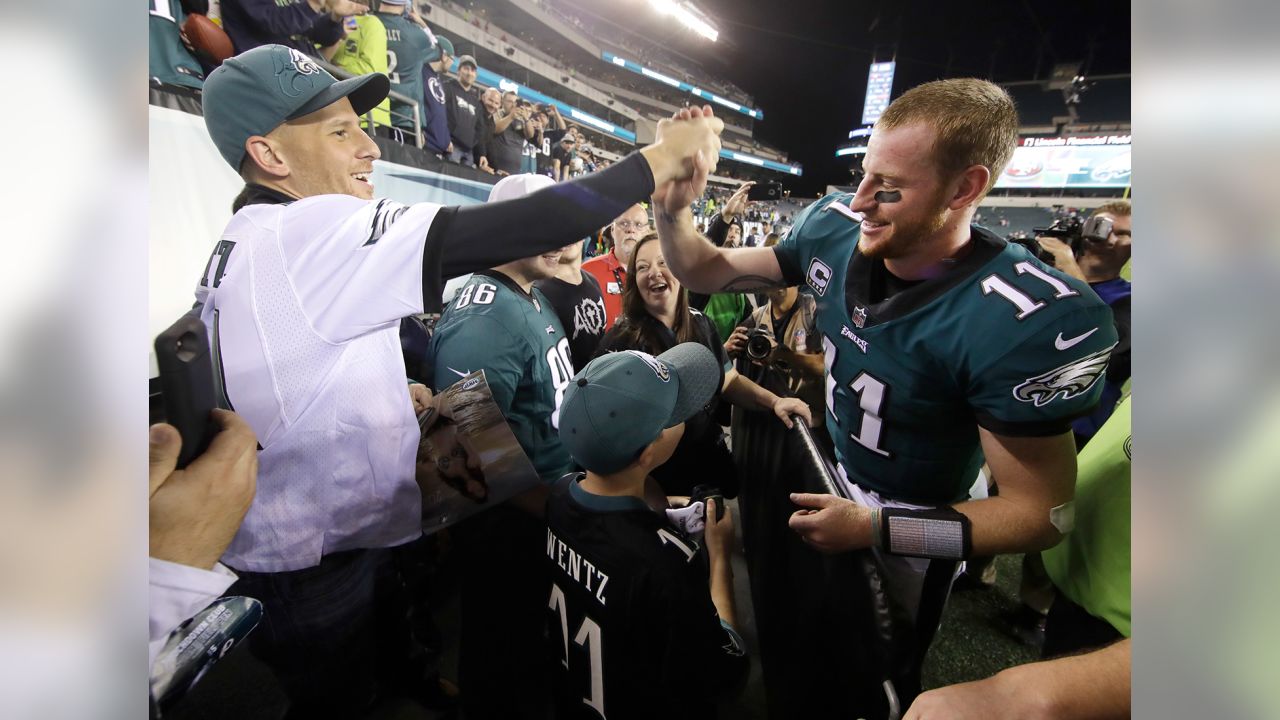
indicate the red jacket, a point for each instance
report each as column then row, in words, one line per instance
column 612, row 277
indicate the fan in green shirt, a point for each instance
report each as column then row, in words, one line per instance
column 364, row 51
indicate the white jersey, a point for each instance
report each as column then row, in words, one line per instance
column 303, row 303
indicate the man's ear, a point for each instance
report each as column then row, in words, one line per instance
column 263, row 154
column 972, row 184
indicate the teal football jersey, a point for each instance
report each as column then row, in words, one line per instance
column 170, row 61
column 1001, row 341
column 407, row 48
column 517, row 340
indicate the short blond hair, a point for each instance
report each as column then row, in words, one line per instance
column 1119, row 208
column 976, row 122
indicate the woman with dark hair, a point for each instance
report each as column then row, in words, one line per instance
column 656, row 317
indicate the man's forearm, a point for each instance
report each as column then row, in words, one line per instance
column 704, row 268
column 746, row 394
column 684, row 249
column 1092, row 685
column 722, row 589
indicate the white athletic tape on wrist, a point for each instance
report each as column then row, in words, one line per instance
column 1063, row 517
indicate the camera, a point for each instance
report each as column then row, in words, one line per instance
column 1076, row 232
column 759, row 344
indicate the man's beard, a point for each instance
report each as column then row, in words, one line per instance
column 907, row 236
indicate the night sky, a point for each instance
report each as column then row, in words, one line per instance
column 806, row 61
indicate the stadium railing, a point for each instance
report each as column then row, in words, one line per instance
column 343, row 74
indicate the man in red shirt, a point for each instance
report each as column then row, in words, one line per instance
column 610, row 269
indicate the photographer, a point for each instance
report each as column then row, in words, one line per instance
column 1098, row 259
column 781, row 336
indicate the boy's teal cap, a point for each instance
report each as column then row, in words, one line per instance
column 620, row 402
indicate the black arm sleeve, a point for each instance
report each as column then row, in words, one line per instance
column 195, row 7
column 718, row 231
column 476, row 237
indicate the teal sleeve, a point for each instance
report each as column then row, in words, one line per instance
column 793, row 251
column 480, row 343
column 1053, row 376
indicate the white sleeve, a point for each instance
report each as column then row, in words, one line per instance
column 179, row 592
column 355, row 265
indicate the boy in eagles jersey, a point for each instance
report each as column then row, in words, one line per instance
column 643, row 623
column 944, row 345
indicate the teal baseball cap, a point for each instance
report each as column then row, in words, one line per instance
column 622, row 401
column 258, row 90
column 442, row 45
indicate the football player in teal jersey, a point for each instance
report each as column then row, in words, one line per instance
column 944, row 345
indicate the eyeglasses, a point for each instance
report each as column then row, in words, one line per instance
column 628, row 225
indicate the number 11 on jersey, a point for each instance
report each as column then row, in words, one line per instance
column 588, row 637
column 872, row 395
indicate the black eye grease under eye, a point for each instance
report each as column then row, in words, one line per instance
column 888, row 196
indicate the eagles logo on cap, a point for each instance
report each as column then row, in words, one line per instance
column 659, row 368
column 292, row 71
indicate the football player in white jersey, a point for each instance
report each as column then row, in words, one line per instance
column 303, row 295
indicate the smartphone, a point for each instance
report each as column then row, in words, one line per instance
column 771, row 190
column 187, row 385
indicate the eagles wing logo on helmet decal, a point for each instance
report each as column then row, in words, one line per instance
column 1068, row 381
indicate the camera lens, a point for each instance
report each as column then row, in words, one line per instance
column 758, row 345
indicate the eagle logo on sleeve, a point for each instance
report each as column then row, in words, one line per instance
column 1068, row 381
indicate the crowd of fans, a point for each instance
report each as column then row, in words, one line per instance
column 545, row 326
column 455, row 120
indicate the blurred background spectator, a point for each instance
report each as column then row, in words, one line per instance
column 466, row 113
column 406, row 52
column 363, row 49
column 300, row 24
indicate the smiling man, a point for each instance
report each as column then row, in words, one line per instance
column 943, row 345
column 303, row 296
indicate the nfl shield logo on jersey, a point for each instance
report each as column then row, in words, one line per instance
column 859, row 316
column 819, row 276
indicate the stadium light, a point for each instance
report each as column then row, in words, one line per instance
column 688, row 16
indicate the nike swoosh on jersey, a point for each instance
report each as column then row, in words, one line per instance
column 1061, row 344
column 457, row 372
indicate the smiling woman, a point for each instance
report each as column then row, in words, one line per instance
column 656, row 317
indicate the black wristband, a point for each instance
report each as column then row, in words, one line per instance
column 939, row 534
